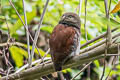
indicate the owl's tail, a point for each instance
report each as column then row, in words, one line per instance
column 58, row 68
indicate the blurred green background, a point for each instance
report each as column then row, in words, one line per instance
column 96, row 25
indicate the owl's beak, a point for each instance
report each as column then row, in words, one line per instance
column 63, row 17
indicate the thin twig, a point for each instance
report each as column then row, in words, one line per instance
column 39, row 53
column 6, row 59
column 8, row 28
column 11, row 43
column 16, row 11
column 37, row 33
column 44, row 56
column 96, row 38
column 97, row 44
column 108, row 37
column 80, row 6
column 79, row 13
column 85, row 21
column 34, row 62
column 109, row 6
column 111, row 68
column 117, row 62
column 118, row 52
column 104, row 65
column 47, row 78
column 81, row 70
column 28, row 41
column 86, row 37
column 8, row 72
column 111, row 55
column 106, row 8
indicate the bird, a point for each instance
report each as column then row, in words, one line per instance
column 64, row 41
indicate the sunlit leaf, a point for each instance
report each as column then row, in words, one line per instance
column 17, row 55
column 19, row 24
column 42, row 53
column 67, row 70
column 2, row 17
column 116, row 8
column 96, row 62
column 47, row 29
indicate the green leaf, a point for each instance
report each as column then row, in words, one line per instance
column 47, row 29
column 19, row 24
column 118, row 78
column 36, row 51
column 74, row 72
column 2, row 17
column 96, row 62
column 67, row 70
column 17, row 55
column 102, row 21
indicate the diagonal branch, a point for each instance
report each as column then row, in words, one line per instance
column 86, row 37
column 97, row 38
column 37, row 33
column 81, row 70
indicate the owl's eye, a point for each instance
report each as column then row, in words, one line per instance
column 70, row 16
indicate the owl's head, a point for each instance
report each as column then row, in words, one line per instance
column 71, row 19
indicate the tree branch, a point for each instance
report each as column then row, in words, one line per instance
column 97, row 38
column 42, row 70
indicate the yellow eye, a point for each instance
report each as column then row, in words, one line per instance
column 70, row 16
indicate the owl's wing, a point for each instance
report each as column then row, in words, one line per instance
column 62, row 41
